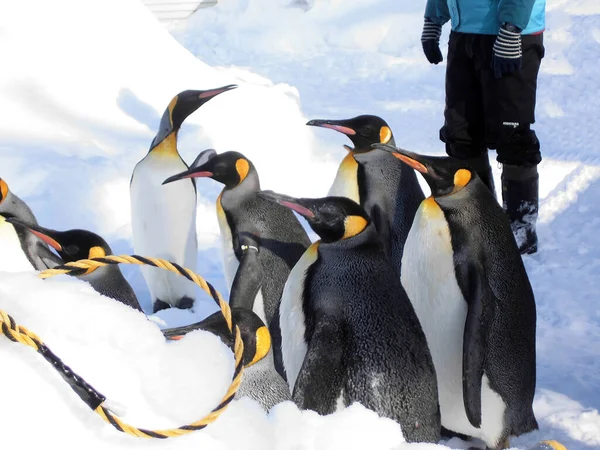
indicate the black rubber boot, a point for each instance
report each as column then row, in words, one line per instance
column 481, row 165
column 520, row 198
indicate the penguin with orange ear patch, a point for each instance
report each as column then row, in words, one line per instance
column 465, row 277
column 349, row 332
column 260, row 381
column 261, row 241
column 388, row 190
column 163, row 218
column 74, row 245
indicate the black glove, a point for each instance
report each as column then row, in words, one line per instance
column 507, row 50
column 430, row 39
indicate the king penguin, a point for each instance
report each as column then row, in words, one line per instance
column 74, row 245
column 164, row 218
column 260, row 381
column 465, row 277
column 20, row 250
column 261, row 241
column 388, row 190
column 349, row 332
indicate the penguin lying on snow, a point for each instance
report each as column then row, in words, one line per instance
column 260, row 381
column 163, row 218
column 349, row 333
column 465, row 277
column 73, row 245
column 20, row 250
column 261, row 241
column 387, row 189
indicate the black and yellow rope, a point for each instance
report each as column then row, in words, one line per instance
column 91, row 396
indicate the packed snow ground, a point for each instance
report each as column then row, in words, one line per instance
column 82, row 88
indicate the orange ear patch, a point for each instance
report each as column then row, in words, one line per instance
column 96, row 252
column 263, row 345
column 171, row 107
column 461, row 179
column 3, row 189
column 243, row 167
column 354, row 225
column 385, row 134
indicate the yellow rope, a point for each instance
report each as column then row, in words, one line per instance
column 86, row 392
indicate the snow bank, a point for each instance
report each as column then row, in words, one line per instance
column 123, row 355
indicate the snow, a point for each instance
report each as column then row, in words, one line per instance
column 82, row 88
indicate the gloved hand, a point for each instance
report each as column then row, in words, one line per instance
column 507, row 50
column 430, row 39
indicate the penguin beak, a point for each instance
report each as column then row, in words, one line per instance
column 43, row 233
column 409, row 158
column 191, row 173
column 207, row 95
column 333, row 125
column 287, row 201
column 336, row 125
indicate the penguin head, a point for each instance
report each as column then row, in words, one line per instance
column 230, row 168
column 443, row 174
column 332, row 218
column 3, row 190
column 363, row 131
column 71, row 245
column 255, row 335
column 182, row 106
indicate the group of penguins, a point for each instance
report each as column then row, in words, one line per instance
column 418, row 308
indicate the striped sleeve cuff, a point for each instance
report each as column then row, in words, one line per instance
column 431, row 31
column 508, row 44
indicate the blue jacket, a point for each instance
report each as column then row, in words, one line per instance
column 486, row 16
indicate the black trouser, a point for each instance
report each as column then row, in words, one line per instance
column 483, row 112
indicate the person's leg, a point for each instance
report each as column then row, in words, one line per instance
column 509, row 104
column 464, row 126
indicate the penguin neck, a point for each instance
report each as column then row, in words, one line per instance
column 246, row 189
column 365, row 237
column 167, row 148
column 453, row 200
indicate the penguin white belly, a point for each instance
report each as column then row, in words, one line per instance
column 12, row 257
column 291, row 316
column 429, row 279
column 345, row 183
column 164, row 225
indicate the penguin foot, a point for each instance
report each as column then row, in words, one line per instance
column 186, row 303
column 159, row 305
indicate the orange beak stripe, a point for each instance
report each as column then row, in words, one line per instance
column 176, row 338
column 411, row 162
column 48, row 240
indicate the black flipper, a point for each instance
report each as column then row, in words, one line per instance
column 321, row 376
column 480, row 312
column 248, row 278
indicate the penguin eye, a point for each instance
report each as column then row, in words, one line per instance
column 366, row 131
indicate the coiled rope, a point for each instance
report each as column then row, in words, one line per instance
column 94, row 399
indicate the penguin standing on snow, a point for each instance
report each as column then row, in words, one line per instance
column 261, row 241
column 164, row 218
column 387, row 189
column 260, row 381
column 19, row 249
column 349, row 332
column 74, row 245
column 465, row 277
